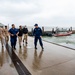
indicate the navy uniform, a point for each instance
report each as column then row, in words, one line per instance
column 13, row 38
column 37, row 32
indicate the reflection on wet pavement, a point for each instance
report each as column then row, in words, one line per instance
column 21, row 69
column 2, row 57
column 37, row 59
column 5, row 63
column 54, row 60
column 25, row 52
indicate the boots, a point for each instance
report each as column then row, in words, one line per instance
column 42, row 48
column 35, row 47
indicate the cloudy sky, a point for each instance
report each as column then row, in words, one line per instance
column 43, row 12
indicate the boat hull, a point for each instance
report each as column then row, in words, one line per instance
column 67, row 34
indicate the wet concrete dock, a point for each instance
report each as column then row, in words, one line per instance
column 6, row 65
column 54, row 60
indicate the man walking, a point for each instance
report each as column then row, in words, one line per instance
column 38, row 36
column 1, row 35
column 13, row 36
column 20, row 35
column 25, row 32
column 6, row 34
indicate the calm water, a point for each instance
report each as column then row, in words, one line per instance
column 68, row 41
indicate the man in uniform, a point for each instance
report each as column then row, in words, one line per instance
column 38, row 36
column 13, row 36
column 1, row 35
column 6, row 34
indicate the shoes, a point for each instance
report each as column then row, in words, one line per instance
column 42, row 48
column 2, row 46
column 26, row 43
column 20, row 46
column 35, row 47
column 14, row 48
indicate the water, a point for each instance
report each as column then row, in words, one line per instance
column 68, row 41
column 49, row 28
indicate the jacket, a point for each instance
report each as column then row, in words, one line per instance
column 37, row 32
column 25, row 30
column 13, row 31
column 20, row 32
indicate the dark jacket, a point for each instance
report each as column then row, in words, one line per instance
column 25, row 30
column 20, row 32
column 37, row 32
column 13, row 31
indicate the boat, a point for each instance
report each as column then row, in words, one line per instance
column 63, row 34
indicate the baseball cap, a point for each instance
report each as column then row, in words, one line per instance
column 36, row 25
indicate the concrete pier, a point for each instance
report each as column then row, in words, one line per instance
column 54, row 60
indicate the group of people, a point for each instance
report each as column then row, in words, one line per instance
column 4, row 33
column 14, row 33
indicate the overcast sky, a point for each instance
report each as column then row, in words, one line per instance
column 43, row 12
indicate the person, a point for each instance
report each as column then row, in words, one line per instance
column 1, row 35
column 13, row 36
column 6, row 34
column 25, row 32
column 37, row 32
column 20, row 35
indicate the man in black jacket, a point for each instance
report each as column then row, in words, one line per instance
column 25, row 32
column 20, row 35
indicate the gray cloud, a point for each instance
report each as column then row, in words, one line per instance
column 44, row 12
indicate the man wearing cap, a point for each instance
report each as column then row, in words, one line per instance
column 37, row 32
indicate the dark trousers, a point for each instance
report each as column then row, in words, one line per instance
column 13, row 41
column 36, row 40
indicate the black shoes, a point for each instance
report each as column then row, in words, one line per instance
column 20, row 46
column 23, row 41
column 42, row 48
column 13, row 48
column 26, row 43
column 2, row 46
column 35, row 47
